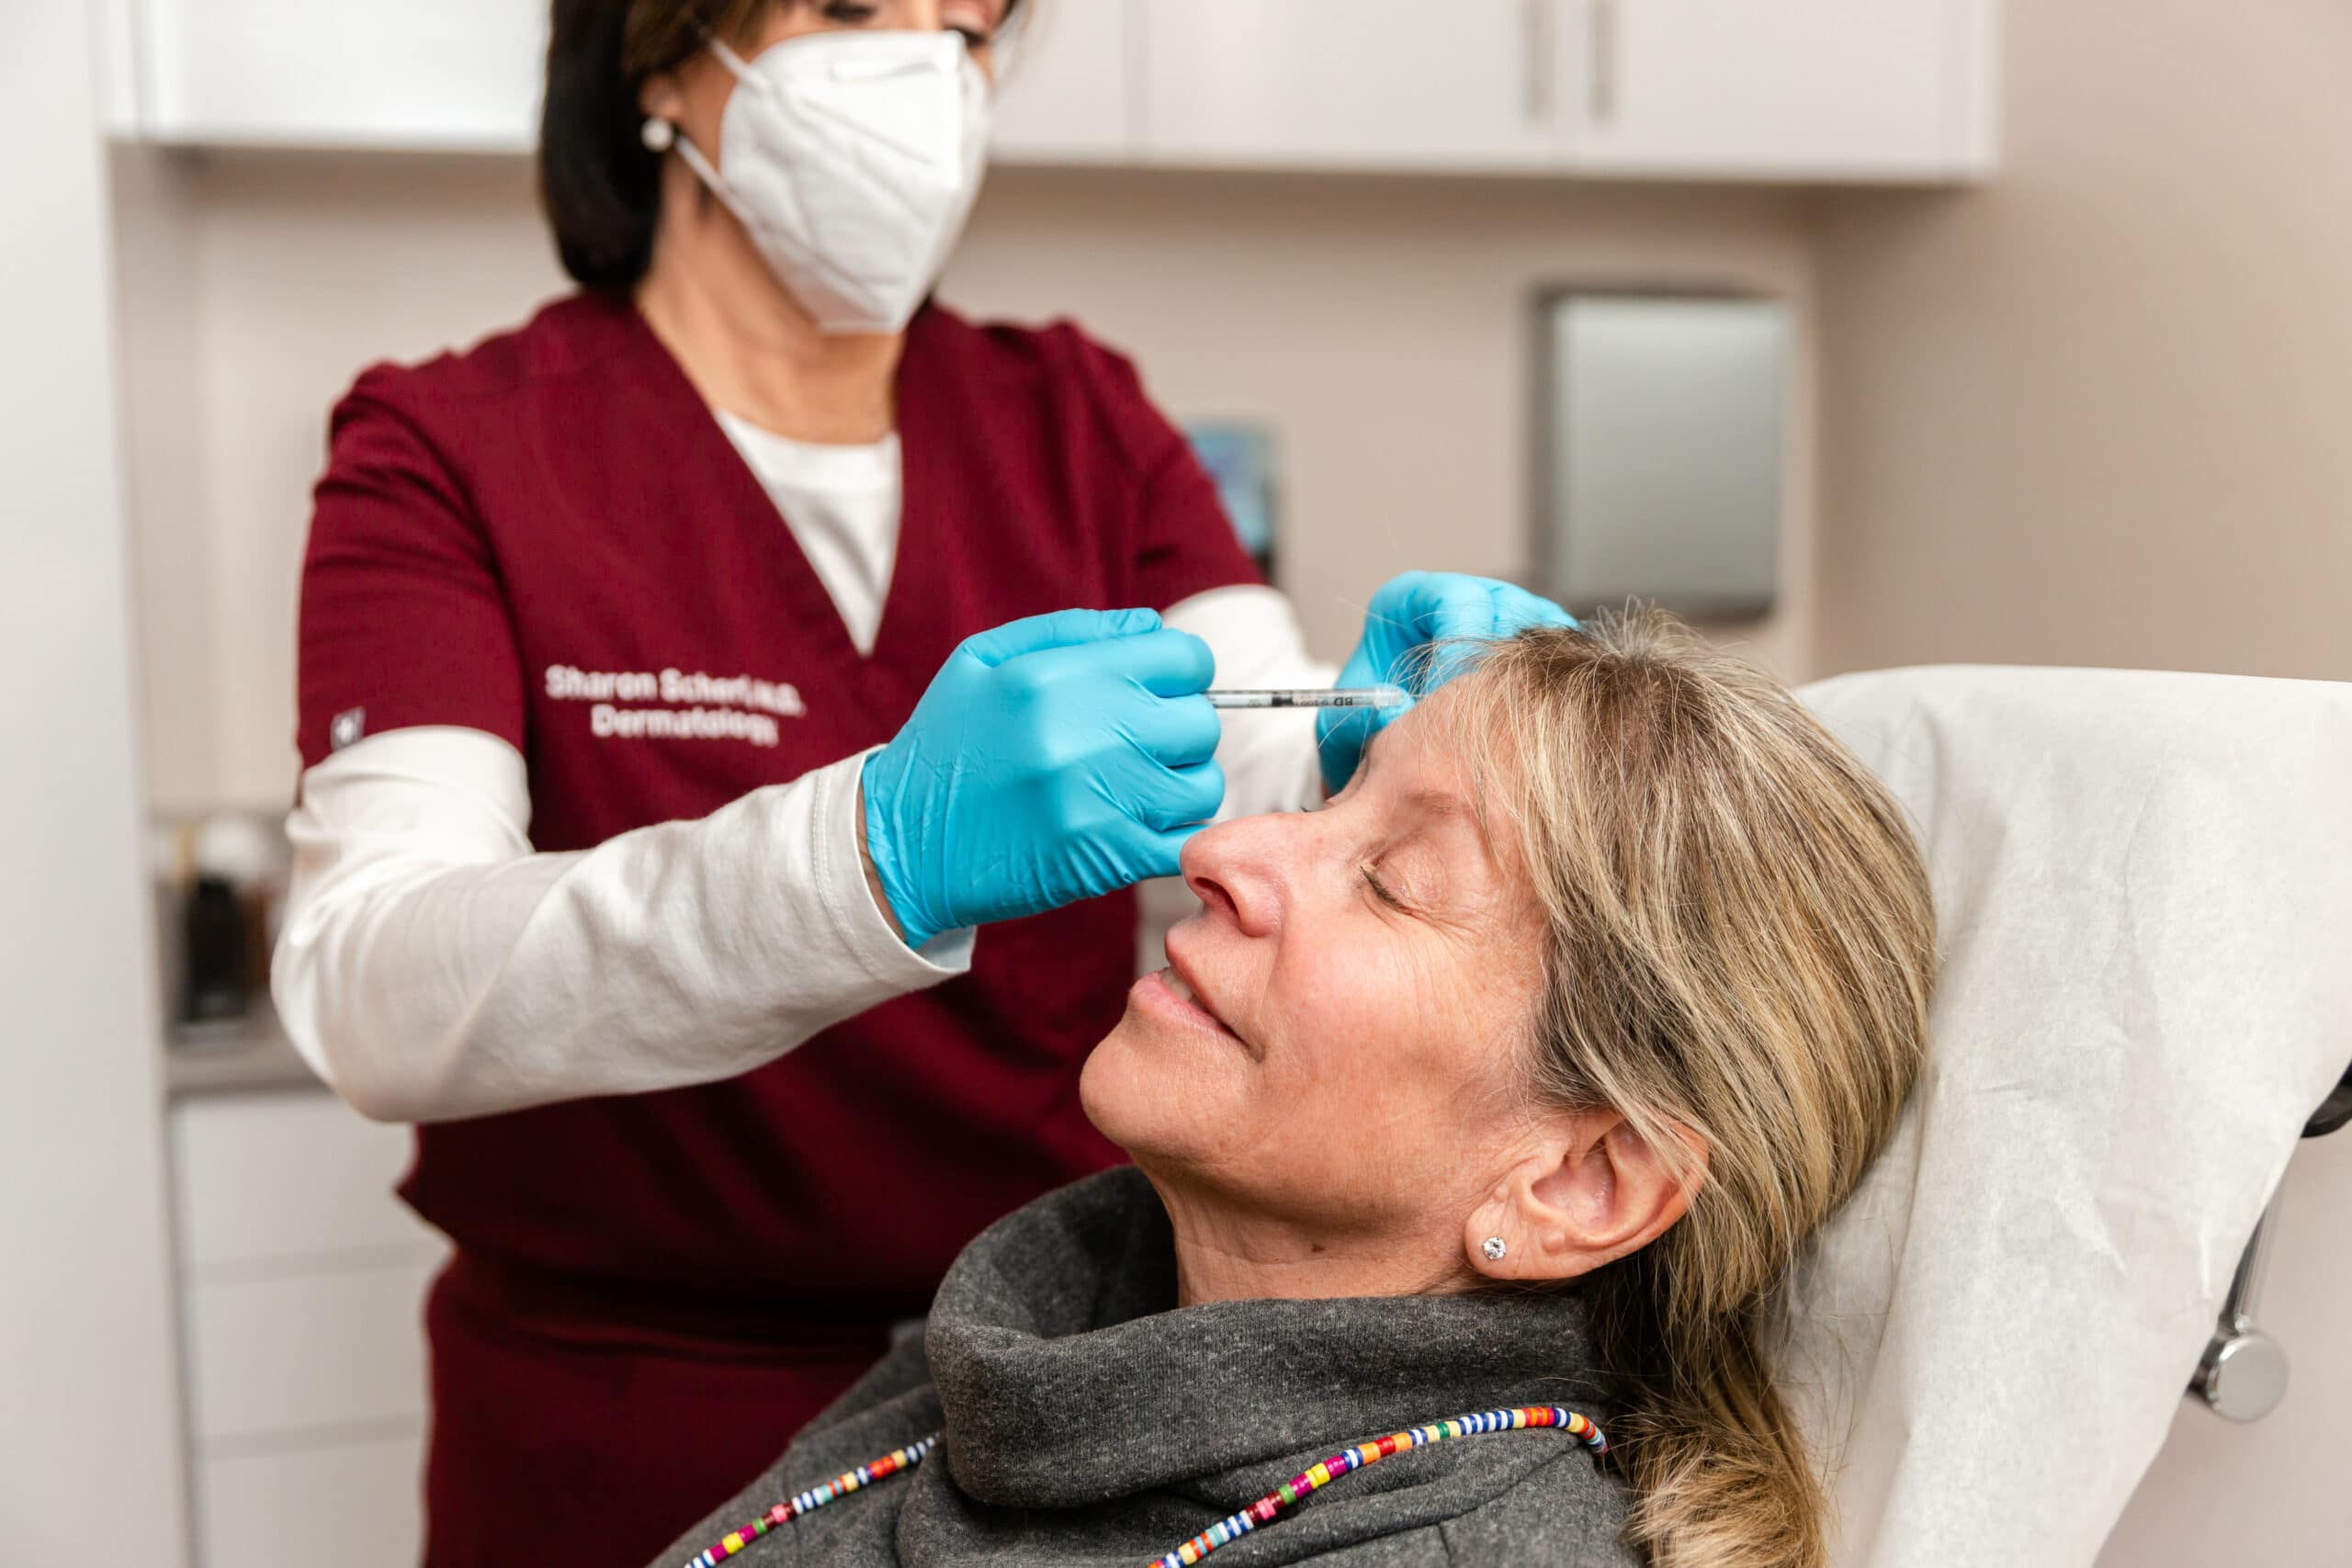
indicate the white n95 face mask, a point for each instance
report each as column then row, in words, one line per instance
column 853, row 159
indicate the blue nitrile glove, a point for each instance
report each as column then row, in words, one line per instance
column 1410, row 612
column 1052, row 759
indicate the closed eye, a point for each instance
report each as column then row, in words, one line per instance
column 1380, row 888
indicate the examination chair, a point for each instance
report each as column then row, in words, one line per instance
column 2144, row 884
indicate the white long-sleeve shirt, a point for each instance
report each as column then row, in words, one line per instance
column 431, row 966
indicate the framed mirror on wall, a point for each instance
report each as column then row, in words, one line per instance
column 1661, row 437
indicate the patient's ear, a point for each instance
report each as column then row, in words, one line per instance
column 1590, row 1191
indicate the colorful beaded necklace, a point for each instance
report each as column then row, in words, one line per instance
column 1232, row 1528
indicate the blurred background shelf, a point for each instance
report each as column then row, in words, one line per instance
column 249, row 1056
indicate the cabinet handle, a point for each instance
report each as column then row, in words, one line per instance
column 1601, row 60
column 1539, row 59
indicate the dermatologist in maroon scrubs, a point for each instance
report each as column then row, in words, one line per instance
column 672, row 714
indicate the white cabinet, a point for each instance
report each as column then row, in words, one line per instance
column 466, row 76
column 1067, row 93
column 1739, row 89
column 276, row 1509
column 319, row 1350
column 1687, row 89
column 1791, row 89
column 302, row 1281
column 1350, row 84
column 424, row 73
column 265, row 1178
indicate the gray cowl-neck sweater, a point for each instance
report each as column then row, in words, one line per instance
column 1092, row 1424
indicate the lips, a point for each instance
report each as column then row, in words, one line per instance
column 1185, row 989
column 1182, row 988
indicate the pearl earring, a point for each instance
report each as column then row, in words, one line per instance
column 657, row 134
column 1495, row 1248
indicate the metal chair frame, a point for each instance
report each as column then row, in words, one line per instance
column 2243, row 1374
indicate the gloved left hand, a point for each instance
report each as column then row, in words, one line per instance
column 1409, row 613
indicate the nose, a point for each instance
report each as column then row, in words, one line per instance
column 1243, row 869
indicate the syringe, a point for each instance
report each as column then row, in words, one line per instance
column 1341, row 697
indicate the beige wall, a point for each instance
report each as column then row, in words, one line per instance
column 2100, row 411
column 1379, row 326
column 257, row 286
column 1382, row 327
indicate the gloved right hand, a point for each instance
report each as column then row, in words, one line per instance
column 1052, row 759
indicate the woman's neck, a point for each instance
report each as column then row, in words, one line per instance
column 747, row 344
column 1228, row 1252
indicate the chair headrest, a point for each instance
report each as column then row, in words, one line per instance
column 2143, row 888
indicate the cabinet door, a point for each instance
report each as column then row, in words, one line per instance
column 270, row 1507
column 1067, row 93
column 290, row 1181
column 1363, row 83
column 462, row 74
column 1834, row 90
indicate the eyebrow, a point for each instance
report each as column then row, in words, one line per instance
column 1443, row 806
column 1436, row 803
column 1439, row 803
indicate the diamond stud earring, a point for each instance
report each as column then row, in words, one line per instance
column 1495, row 1248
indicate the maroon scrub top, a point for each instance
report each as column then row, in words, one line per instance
column 650, row 1295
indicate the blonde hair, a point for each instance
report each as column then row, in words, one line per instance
column 1741, row 943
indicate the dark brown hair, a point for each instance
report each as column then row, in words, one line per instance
column 599, row 185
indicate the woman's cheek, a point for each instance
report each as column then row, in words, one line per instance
column 1350, row 1009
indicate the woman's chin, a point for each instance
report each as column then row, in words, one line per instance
column 1109, row 1085
column 1152, row 1093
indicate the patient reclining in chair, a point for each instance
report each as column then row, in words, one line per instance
column 1476, row 1116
